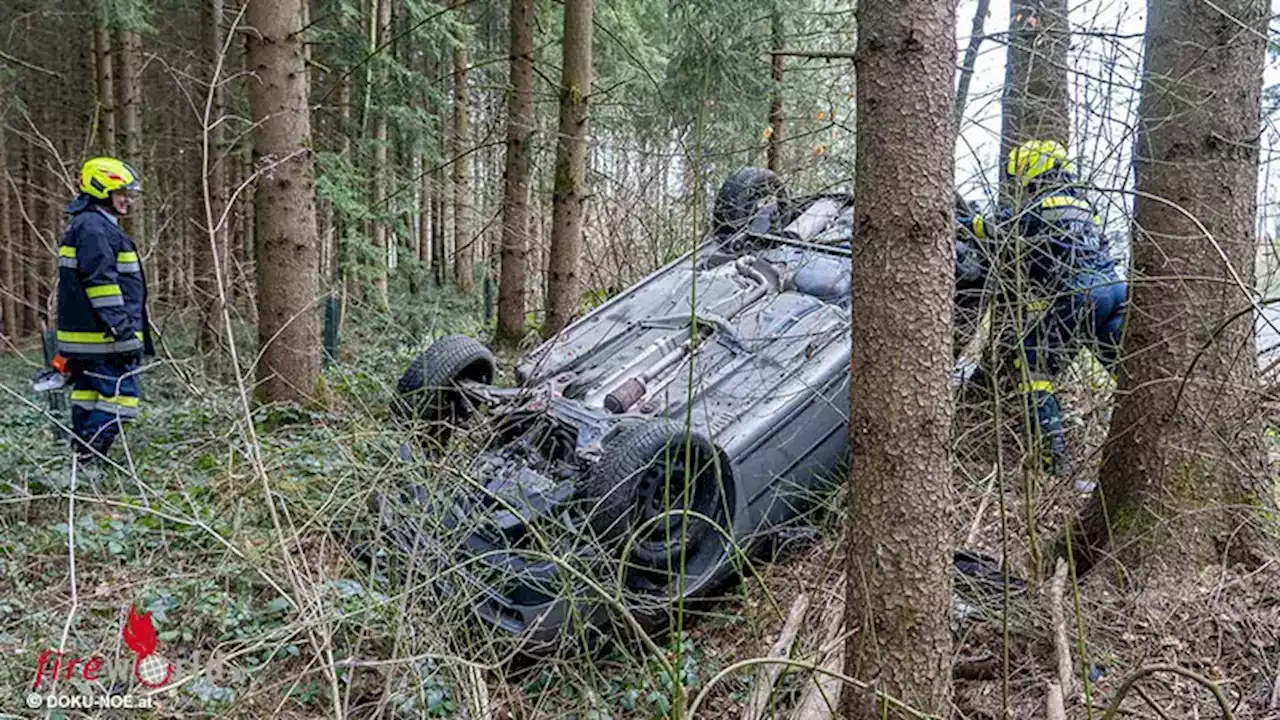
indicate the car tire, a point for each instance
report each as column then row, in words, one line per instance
column 428, row 391
column 629, row 486
column 740, row 198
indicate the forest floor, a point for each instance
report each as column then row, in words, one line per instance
column 267, row 614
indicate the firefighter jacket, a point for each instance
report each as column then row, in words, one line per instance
column 102, row 293
column 1060, row 227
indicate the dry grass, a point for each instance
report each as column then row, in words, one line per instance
column 189, row 537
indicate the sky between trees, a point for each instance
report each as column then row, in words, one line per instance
column 1105, row 58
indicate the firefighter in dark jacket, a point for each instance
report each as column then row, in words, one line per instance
column 1078, row 298
column 102, row 306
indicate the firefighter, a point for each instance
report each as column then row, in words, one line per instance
column 102, row 306
column 1078, row 298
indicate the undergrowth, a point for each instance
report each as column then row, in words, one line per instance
column 316, row 612
column 181, row 528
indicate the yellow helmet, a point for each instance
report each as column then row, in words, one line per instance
column 101, row 176
column 1036, row 157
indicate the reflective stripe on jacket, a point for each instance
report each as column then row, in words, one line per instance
column 102, row 293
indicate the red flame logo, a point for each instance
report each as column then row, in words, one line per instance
column 139, row 633
column 150, row 669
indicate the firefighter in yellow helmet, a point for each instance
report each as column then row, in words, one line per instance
column 1068, row 262
column 103, row 330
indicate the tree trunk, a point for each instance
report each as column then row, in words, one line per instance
column 243, row 225
column 970, row 58
column 571, row 167
column 244, row 247
column 426, row 214
column 211, row 257
column 899, row 527
column 130, row 44
column 444, row 202
column 8, row 250
column 1036, row 85
column 344, row 108
column 380, row 235
column 441, row 231
column 463, row 243
column 776, row 116
column 50, row 219
column 105, row 74
column 31, row 260
column 285, row 236
column 515, row 197
column 1184, row 480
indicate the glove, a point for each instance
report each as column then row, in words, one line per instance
column 122, row 333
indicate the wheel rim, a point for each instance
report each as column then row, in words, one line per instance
column 662, row 498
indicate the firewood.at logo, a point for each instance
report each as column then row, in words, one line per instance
column 149, row 668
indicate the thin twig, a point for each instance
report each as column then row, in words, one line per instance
column 821, row 54
column 19, row 61
column 71, row 554
column 890, row 701
column 1114, row 708
column 970, row 58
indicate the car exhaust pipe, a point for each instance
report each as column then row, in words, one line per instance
column 624, row 396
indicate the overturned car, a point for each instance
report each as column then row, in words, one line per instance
column 659, row 438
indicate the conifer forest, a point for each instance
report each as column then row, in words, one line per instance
column 806, row 359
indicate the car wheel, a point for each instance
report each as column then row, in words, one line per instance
column 641, row 485
column 428, row 389
column 742, row 195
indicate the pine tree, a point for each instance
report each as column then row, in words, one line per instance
column 777, row 118
column 129, row 43
column 1035, row 102
column 104, row 73
column 8, row 249
column 515, row 201
column 464, row 242
column 899, row 526
column 381, row 243
column 206, row 280
column 571, row 167
column 1184, row 478
column 284, row 200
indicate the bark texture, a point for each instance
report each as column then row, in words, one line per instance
column 129, row 43
column 1036, row 85
column 380, row 234
column 515, row 199
column 340, row 228
column 211, row 254
column 106, row 83
column 571, row 167
column 426, row 216
column 776, row 116
column 11, row 323
column 427, row 235
column 899, row 528
column 463, row 242
column 285, row 223
column 1184, row 475
column 32, row 255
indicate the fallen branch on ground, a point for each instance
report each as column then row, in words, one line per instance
column 758, row 704
column 822, row 695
